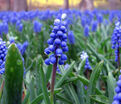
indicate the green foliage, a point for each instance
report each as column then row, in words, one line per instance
column 72, row 86
column 13, row 76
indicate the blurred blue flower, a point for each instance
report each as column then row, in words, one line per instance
column 22, row 47
column 106, row 22
column 37, row 26
column 58, row 70
column 13, row 20
column 71, row 37
column 3, row 28
column 66, row 66
column 83, row 21
column 19, row 26
column 94, row 26
column 100, row 18
column 85, row 87
column 86, row 30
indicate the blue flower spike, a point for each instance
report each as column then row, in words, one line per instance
column 57, row 42
column 84, row 56
column 3, row 52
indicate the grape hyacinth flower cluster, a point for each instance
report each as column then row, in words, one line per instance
column 86, row 31
column 37, row 26
column 117, row 97
column 83, row 57
column 22, row 47
column 116, row 39
column 4, row 28
column 19, row 26
column 94, row 26
column 57, row 43
column 3, row 52
column 71, row 37
column 100, row 18
column 57, row 47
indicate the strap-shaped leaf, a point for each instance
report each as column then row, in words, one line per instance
column 13, row 75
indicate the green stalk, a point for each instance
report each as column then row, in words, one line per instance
column 53, row 81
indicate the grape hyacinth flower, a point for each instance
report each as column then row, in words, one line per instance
column 117, row 97
column 3, row 28
column 66, row 66
column 116, row 41
column 84, row 56
column 19, row 26
column 94, row 26
column 86, row 30
column 71, row 37
column 3, row 52
column 83, row 21
column 57, row 47
column 100, row 18
column 58, row 70
column 22, row 47
column 57, row 44
column 37, row 26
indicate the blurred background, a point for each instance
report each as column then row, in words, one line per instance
column 17, row 5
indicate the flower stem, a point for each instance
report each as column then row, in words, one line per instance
column 53, row 81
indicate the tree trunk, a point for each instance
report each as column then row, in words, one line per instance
column 66, row 4
column 20, row 5
column 86, row 5
column 30, row 4
column 8, row 3
column 114, row 4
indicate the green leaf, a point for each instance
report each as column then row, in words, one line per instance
column 38, row 79
column 48, row 73
column 93, row 80
column 40, row 97
column 65, row 75
column 32, row 89
column 13, row 75
column 63, row 99
column 80, row 92
column 100, row 99
column 44, row 86
column 81, row 67
column 111, row 86
column 84, row 80
column 99, row 56
column 37, row 99
column 74, row 95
